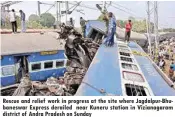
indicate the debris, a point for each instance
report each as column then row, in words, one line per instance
column 79, row 52
column 23, row 87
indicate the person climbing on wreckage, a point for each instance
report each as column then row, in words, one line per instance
column 111, row 29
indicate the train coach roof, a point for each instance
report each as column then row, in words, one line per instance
column 28, row 43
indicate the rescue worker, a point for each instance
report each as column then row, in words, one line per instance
column 23, row 24
column 83, row 26
column 128, row 28
column 109, row 40
column 13, row 21
column 71, row 22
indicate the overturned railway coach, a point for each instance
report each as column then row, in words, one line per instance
column 123, row 70
column 38, row 56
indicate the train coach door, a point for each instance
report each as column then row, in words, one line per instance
column 21, row 67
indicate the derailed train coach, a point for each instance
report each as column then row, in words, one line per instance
column 34, row 55
column 123, row 70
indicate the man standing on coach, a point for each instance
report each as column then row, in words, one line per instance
column 23, row 25
column 109, row 41
column 128, row 28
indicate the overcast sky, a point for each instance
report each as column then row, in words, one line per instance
column 166, row 10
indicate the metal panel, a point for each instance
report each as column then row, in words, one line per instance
column 38, row 57
column 5, row 81
column 103, row 73
column 7, row 60
column 155, row 80
column 43, row 75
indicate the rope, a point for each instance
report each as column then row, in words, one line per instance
column 139, row 53
column 102, row 91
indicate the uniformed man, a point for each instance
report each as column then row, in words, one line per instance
column 83, row 26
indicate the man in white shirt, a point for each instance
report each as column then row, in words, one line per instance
column 13, row 21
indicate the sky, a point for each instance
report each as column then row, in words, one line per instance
column 166, row 10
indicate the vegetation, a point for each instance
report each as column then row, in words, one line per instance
column 137, row 25
column 34, row 17
column 46, row 20
column 167, row 30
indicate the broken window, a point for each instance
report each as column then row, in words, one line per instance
column 48, row 65
column 8, row 70
column 135, row 90
column 133, row 77
column 59, row 63
column 124, row 54
column 36, row 66
column 129, row 66
column 126, row 59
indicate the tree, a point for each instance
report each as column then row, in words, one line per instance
column 34, row 25
column 18, row 21
column 47, row 19
column 34, row 17
column 131, row 18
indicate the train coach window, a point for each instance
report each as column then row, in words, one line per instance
column 124, row 50
column 124, row 54
column 48, row 65
column 133, row 77
column 135, row 90
column 36, row 66
column 129, row 66
column 126, row 59
column 7, row 70
column 59, row 63
column 122, row 46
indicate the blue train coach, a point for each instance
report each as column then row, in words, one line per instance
column 123, row 70
column 39, row 56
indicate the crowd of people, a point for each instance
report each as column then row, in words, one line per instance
column 13, row 21
column 166, row 57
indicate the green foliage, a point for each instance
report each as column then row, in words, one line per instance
column 18, row 20
column 34, row 25
column 34, row 17
column 8, row 24
column 137, row 25
column 47, row 19
column 131, row 18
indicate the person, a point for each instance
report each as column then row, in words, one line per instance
column 71, row 22
column 128, row 28
column 171, row 73
column 162, row 64
column 109, row 40
column 55, row 25
column 13, row 21
column 23, row 26
column 173, row 65
column 83, row 26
